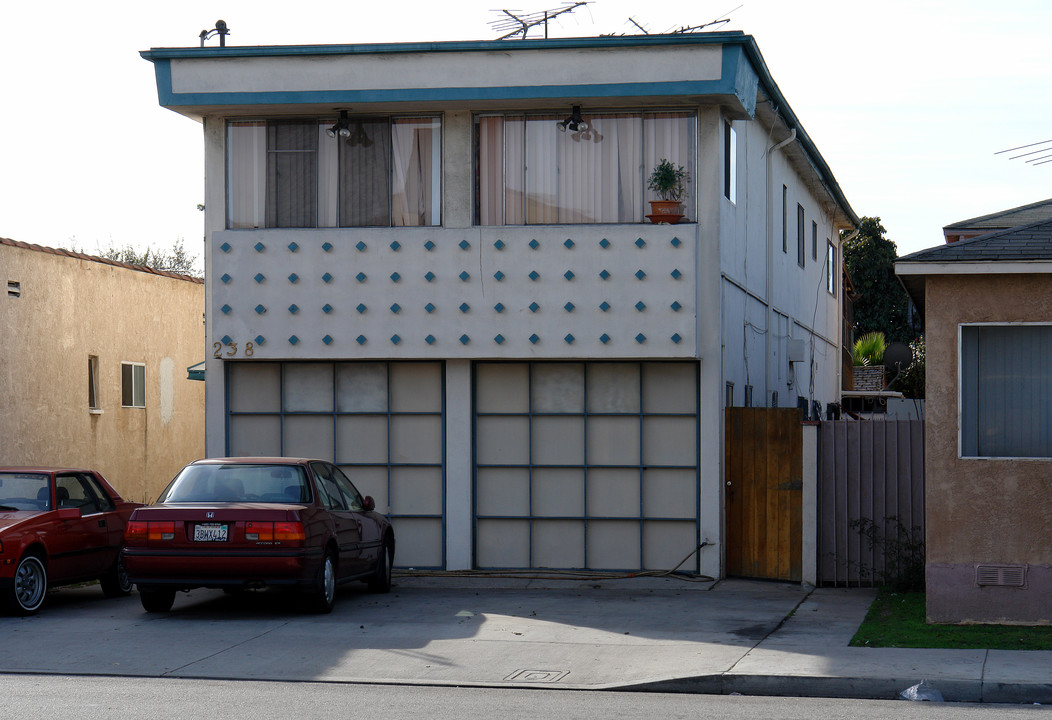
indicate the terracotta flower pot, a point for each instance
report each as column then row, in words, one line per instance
column 665, row 211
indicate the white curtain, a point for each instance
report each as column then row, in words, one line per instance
column 246, row 147
column 415, row 171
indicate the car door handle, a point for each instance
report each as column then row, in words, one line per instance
column 102, row 522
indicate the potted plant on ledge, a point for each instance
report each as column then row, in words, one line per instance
column 668, row 180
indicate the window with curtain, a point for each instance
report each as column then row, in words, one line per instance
column 1006, row 391
column 290, row 173
column 528, row 172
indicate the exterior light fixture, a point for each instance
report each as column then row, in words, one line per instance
column 574, row 123
column 220, row 29
column 342, row 128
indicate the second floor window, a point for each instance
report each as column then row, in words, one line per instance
column 290, row 173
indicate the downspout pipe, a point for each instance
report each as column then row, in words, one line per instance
column 771, row 209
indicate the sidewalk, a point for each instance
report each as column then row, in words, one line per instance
column 639, row 634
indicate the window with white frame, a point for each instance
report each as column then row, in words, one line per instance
column 528, row 172
column 730, row 162
column 800, row 235
column 831, row 267
column 290, row 173
column 133, row 385
column 93, row 382
column 1006, row 391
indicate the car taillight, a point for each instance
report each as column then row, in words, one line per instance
column 259, row 531
column 289, row 531
column 161, row 531
column 141, row 532
column 135, row 531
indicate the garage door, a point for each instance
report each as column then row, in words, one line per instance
column 380, row 422
column 586, row 465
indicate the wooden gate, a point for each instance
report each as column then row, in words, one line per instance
column 764, row 493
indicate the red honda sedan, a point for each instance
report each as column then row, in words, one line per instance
column 58, row 526
column 236, row 523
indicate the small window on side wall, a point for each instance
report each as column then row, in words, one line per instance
column 730, row 162
column 133, row 385
column 831, row 268
column 93, row 382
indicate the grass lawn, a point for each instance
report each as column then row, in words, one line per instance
column 897, row 620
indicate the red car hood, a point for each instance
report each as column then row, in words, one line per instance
column 10, row 518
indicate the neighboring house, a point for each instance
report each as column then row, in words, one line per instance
column 1004, row 220
column 94, row 367
column 425, row 267
column 987, row 307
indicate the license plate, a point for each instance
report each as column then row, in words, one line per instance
column 210, row 532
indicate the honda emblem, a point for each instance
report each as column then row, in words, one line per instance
column 209, row 515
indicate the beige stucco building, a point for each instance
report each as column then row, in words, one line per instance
column 94, row 367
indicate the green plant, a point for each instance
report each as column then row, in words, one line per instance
column 869, row 349
column 911, row 382
column 668, row 180
column 900, row 550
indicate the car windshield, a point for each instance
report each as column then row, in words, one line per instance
column 24, row 491
column 211, row 483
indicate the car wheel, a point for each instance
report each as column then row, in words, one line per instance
column 30, row 585
column 156, row 599
column 115, row 582
column 380, row 582
column 324, row 597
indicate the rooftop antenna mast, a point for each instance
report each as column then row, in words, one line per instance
column 722, row 19
column 521, row 23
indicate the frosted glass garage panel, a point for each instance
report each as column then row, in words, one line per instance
column 418, row 542
column 416, row 387
column 503, row 440
column 309, row 436
column 613, row 493
column 502, row 388
column 503, row 544
column 669, row 387
column 558, row 387
column 558, row 492
column 613, row 440
column 670, row 493
column 370, row 481
column 416, row 439
column 416, row 491
column 361, row 387
column 308, row 387
column 613, row 388
column 670, row 441
column 503, row 491
column 255, row 435
column 558, row 440
column 362, row 438
column 613, row 544
column 254, row 387
column 558, row 544
column 666, row 543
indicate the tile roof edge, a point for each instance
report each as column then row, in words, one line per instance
column 101, row 260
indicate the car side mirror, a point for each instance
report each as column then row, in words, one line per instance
column 69, row 513
column 368, row 503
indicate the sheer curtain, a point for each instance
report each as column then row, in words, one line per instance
column 670, row 136
column 246, row 148
column 292, row 174
column 415, row 145
column 365, row 174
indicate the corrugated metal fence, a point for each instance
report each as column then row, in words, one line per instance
column 868, row 471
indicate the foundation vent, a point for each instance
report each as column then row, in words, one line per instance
column 1000, row 575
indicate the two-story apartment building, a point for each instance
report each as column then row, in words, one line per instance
column 432, row 264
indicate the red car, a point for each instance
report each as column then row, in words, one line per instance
column 58, row 526
column 237, row 523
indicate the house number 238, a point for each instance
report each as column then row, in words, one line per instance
column 218, row 354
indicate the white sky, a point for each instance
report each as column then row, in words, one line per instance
column 907, row 100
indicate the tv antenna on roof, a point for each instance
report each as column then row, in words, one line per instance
column 521, row 23
column 683, row 30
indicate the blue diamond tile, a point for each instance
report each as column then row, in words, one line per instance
column 260, row 247
column 260, row 309
column 226, row 309
column 396, row 246
column 260, row 277
column 327, row 339
column 641, row 306
column 430, row 308
column 604, row 243
column 499, row 339
column 293, row 247
column 360, row 277
column 640, row 242
column 395, row 277
column 395, row 339
column 396, row 308
column 326, row 308
column 464, row 245
column 675, row 242
column 361, row 308
column 568, row 274
column 225, row 278
column 430, row 276
column 534, row 244
column 568, row 243
column 676, row 338
column 464, row 339
column 293, row 339
column 361, row 340
column 294, row 278
column 604, row 306
column 499, row 245
column 675, row 306
column 294, row 308
column 604, row 274
column 498, row 275
column 430, row 339
column 327, row 278
column 640, row 274
column 361, row 246
column 464, row 276
column 260, row 340
column 225, row 247
column 327, row 247
column 429, row 246
column 676, row 274
column 464, row 307
column 534, row 339
column 227, row 339
column 534, row 307
column 568, row 307
column 604, row 338
column 569, row 339
column 499, row 307
column 641, row 338
column 534, row 275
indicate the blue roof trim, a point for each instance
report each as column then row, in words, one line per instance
column 739, row 74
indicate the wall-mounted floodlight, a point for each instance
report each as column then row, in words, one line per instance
column 220, row 29
column 574, row 123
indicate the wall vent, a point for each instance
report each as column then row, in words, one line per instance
column 1000, row 575
column 14, row 289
